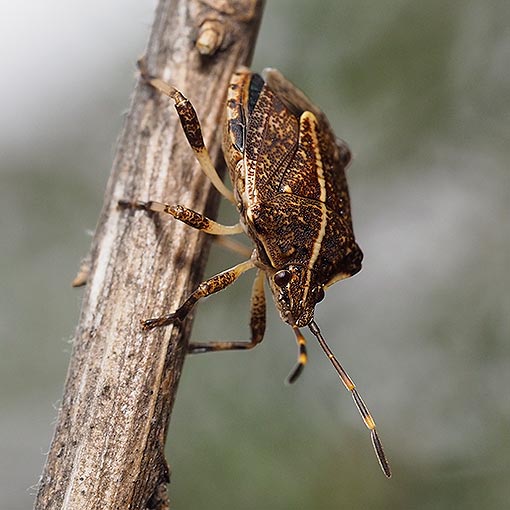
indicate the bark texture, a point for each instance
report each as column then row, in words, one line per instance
column 108, row 447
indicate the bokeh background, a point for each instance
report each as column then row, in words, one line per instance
column 421, row 91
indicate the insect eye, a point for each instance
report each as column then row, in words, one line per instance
column 281, row 278
column 319, row 294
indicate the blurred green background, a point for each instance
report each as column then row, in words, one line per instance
column 421, row 91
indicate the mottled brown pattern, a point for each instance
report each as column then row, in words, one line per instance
column 271, row 140
column 301, row 176
column 288, row 173
column 257, row 324
column 292, row 192
column 206, row 288
column 287, row 170
column 188, row 216
column 258, row 309
column 190, row 124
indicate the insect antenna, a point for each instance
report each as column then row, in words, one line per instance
column 362, row 408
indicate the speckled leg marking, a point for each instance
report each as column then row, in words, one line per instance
column 257, row 323
column 210, row 286
column 188, row 216
column 192, row 130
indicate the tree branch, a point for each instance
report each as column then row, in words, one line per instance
column 108, row 447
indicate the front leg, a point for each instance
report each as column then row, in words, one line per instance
column 257, row 323
column 210, row 286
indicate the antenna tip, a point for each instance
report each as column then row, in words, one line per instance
column 379, row 451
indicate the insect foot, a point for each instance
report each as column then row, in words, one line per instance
column 165, row 320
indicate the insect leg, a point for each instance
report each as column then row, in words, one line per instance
column 257, row 323
column 210, row 286
column 192, row 130
column 362, row 408
column 229, row 244
column 188, row 216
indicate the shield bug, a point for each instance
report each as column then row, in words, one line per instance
column 287, row 170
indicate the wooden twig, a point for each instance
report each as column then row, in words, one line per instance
column 107, row 451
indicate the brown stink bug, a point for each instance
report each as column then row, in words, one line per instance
column 288, row 174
